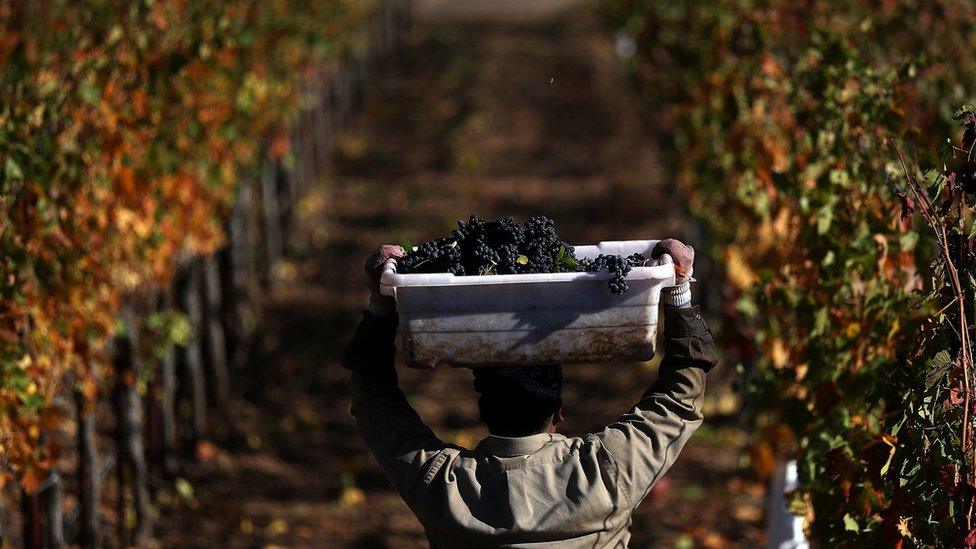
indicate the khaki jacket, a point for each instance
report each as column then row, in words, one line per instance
column 536, row 491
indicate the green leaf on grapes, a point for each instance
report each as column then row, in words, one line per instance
column 522, row 260
column 564, row 259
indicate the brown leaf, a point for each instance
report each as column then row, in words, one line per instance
column 907, row 206
column 956, row 397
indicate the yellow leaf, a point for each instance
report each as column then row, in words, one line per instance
column 903, row 527
column 276, row 527
column 778, row 354
column 351, row 496
column 739, row 272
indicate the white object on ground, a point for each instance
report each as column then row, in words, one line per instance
column 784, row 530
column 548, row 318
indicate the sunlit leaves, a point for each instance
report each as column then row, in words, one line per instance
column 124, row 128
column 776, row 117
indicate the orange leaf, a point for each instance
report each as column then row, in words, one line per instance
column 32, row 479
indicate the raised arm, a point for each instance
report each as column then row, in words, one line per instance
column 393, row 431
column 646, row 440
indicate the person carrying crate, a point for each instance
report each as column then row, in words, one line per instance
column 525, row 485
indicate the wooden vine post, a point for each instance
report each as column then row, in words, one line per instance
column 235, row 271
column 153, row 422
column 131, row 454
column 88, row 477
column 274, row 241
column 286, row 201
column 32, row 509
column 53, row 510
column 190, row 357
column 164, row 397
column 42, row 510
column 228, row 305
column 216, row 342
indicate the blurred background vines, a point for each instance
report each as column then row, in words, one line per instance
column 785, row 124
column 125, row 128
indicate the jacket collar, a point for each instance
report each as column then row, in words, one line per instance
column 515, row 446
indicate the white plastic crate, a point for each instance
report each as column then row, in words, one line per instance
column 550, row 318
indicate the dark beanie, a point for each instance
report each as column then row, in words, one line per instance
column 518, row 389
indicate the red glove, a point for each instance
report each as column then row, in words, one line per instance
column 684, row 265
column 682, row 255
column 379, row 304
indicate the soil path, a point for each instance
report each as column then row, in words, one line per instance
column 485, row 116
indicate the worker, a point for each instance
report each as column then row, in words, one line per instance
column 526, row 485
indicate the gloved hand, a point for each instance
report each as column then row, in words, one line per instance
column 379, row 304
column 683, row 256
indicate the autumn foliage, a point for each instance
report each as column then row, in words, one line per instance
column 783, row 121
column 124, row 130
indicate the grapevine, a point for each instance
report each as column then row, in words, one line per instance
column 503, row 246
column 126, row 128
column 778, row 120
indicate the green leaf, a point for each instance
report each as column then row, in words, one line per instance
column 12, row 169
column 850, row 524
column 181, row 331
column 564, row 259
column 940, row 360
column 824, row 219
column 887, row 463
column 820, row 321
column 747, row 307
column 121, row 327
column 32, row 403
column 910, row 239
column 522, row 260
column 937, row 367
column 828, row 259
column 89, row 92
column 184, row 488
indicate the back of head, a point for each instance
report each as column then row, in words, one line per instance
column 518, row 401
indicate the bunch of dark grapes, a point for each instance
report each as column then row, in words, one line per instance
column 617, row 265
column 503, row 246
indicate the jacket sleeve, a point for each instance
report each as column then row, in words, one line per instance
column 393, row 431
column 645, row 441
